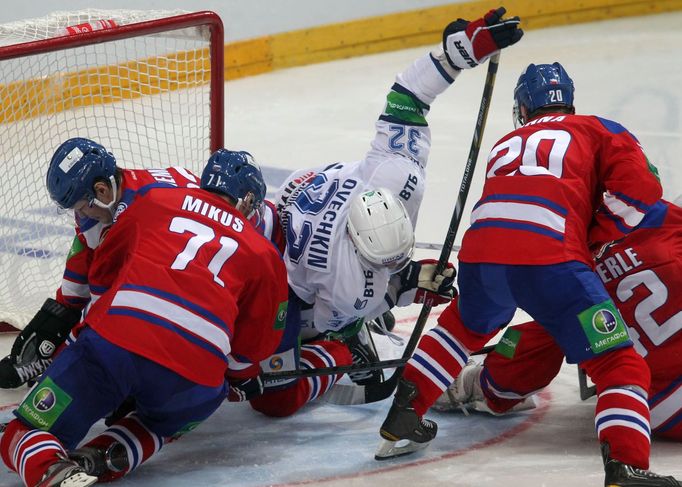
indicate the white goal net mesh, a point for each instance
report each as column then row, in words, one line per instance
column 146, row 98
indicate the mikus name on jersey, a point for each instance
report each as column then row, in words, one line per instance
column 227, row 219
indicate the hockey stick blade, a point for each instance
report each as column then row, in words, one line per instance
column 380, row 391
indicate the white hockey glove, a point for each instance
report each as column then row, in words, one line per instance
column 418, row 283
column 468, row 44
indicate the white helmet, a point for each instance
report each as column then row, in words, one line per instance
column 381, row 230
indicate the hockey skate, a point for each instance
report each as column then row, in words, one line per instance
column 618, row 474
column 364, row 352
column 98, row 462
column 66, row 473
column 465, row 394
column 403, row 431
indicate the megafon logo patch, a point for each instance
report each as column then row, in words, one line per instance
column 604, row 321
column 44, row 400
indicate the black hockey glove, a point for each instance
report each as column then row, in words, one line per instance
column 45, row 332
column 32, row 350
column 13, row 375
column 468, row 44
column 244, row 389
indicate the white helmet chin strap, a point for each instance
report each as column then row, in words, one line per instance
column 114, row 200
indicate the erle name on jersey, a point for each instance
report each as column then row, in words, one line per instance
column 618, row 264
column 196, row 205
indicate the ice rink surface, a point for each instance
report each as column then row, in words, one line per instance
column 627, row 70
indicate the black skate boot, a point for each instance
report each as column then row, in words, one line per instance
column 402, row 423
column 618, row 474
column 66, row 473
column 98, row 462
column 364, row 352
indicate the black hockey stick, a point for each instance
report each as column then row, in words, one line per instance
column 586, row 391
column 355, row 394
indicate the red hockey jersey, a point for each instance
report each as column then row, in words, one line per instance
column 643, row 274
column 554, row 184
column 185, row 281
column 74, row 291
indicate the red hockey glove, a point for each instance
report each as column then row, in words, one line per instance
column 468, row 44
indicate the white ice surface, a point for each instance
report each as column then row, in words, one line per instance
column 628, row 70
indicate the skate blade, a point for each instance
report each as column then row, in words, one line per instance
column 81, row 479
column 388, row 449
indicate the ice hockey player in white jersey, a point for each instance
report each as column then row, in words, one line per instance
column 350, row 226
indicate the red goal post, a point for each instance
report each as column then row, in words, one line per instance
column 148, row 85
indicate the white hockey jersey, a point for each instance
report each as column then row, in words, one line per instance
column 321, row 260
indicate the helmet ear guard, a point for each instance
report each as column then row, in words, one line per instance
column 75, row 167
column 540, row 86
column 235, row 174
column 381, row 230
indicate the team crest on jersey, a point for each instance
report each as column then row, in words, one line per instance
column 122, row 206
column 360, row 303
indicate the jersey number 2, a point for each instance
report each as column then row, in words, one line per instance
column 202, row 234
column 657, row 333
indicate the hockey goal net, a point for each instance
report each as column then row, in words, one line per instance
column 148, row 85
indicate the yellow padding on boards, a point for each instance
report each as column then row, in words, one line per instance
column 104, row 84
column 423, row 27
column 30, row 98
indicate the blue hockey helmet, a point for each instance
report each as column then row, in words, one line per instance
column 76, row 166
column 542, row 85
column 235, row 174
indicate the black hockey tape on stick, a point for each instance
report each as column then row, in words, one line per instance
column 346, row 394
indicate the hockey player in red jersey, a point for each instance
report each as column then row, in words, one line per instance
column 169, row 316
column 116, row 190
column 242, row 179
column 643, row 275
column 555, row 187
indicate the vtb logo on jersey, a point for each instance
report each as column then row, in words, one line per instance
column 604, row 321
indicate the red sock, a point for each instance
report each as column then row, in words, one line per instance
column 622, row 412
column 29, row 452
column 442, row 353
column 140, row 443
